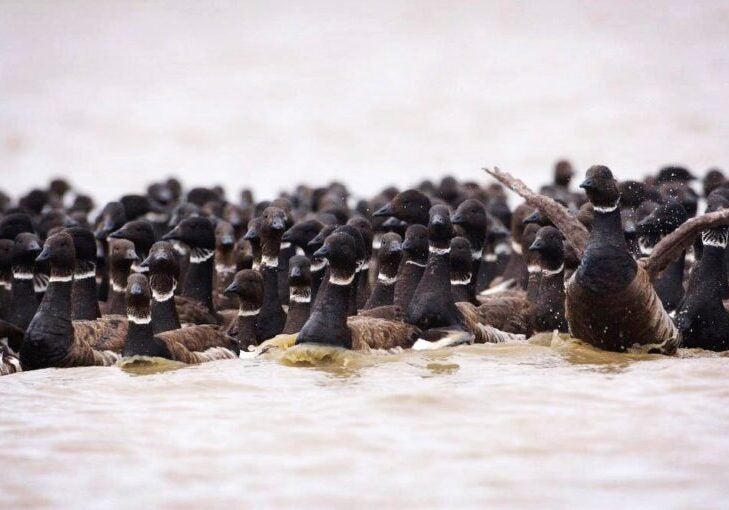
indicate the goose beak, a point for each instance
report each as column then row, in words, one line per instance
column 386, row 210
column 287, row 236
column 322, row 253
column 532, row 218
column 227, row 241
column 34, row 246
column 537, row 245
column 395, row 247
column 278, row 224
column 44, row 255
column 233, row 288
column 251, row 234
column 437, row 219
column 458, row 219
column 135, row 289
column 588, row 184
column 295, row 272
column 173, row 235
column 131, row 255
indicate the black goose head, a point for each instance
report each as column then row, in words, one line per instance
column 84, row 242
column 287, row 207
column 713, row 179
column 54, row 219
column 359, row 243
column 26, row 249
column 392, row 224
column 365, row 228
column 674, row 174
column 138, row 298
column 59, row 252
column 162, row 260
column 410, row 205
column 248, row 286
column 601, row 188
column 440, row 229
column 112, row 218
column 549, row 245
column 273, row 223
column 663, row 220
column 632, row 193
column 390, row 249
column 183, row 211
column 471, row 215
column 122, row 253
column 140, row 232
column 13, row 224
column 563, row 173
column 318, row 240
column 253, row 234
column 224, row 236
column 527, row 238
column 415, row 245
column 460, row 256
column 302, row 233
column 340, row 250
column 195, row 232
column 299, row 271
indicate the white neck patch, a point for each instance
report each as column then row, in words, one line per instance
column 285, row 245
column 267, row 261
column 335, row 280
column 438, row 251
column 607, row 208
column 59, row 278
column 200, row 255
column 164, row 296
column 248, row 313
column 22, row 275
column 415, row 263
column 117, row 288
column 465, row 280
column 476, row 254
column 489, row 257
column 534, row 268
column 139, row 320
column 552, row 272
column 222, row 268
column 300, row 295
column 516, row 247
column 40, row 282
column 645, row 249
column 503, row 249
column 84, row 275
column 6, row 285
column 386, row 280
column 717, row 239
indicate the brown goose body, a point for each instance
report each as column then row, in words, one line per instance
column 11, row 340
column 374, row 333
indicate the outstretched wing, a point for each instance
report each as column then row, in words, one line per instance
column 574, row 231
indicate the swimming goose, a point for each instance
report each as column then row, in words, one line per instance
column 24, row 301
column 52, row 338
column 194, row 344
column 299, row 294
column 247, row 285
column 412, row 267
column 547, row 311
column 225, row 266
column 461, row 270
column 121, row 257
column 329, row 323
column 389, row 256
column 84, row 295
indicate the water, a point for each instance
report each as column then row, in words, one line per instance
column 528, row 426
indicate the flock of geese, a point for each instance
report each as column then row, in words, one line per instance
column 193, row 277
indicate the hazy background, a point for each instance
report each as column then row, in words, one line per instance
column 264, row 94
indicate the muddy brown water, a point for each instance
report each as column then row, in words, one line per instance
column 548, row 424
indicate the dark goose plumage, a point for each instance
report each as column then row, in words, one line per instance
column 52, row 339
column 389, row 256
column 120, row 259
column 194, row 344
column 547, row 312
column 24, row 301
column 299, row 294
column 412, row 267
column 248, row 287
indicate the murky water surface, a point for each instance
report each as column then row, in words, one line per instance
column 532, row 426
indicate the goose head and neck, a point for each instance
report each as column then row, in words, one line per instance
column 25, row 303
column 410, row 206
column 164, row 275
column 607, row 264
column 85, row 296
column 327, row 323
column 198, row 233
column 50, row 334
column 140, row 332
column 247, row 285
column 141, row 233
column 461, row 268
column 253, row 236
